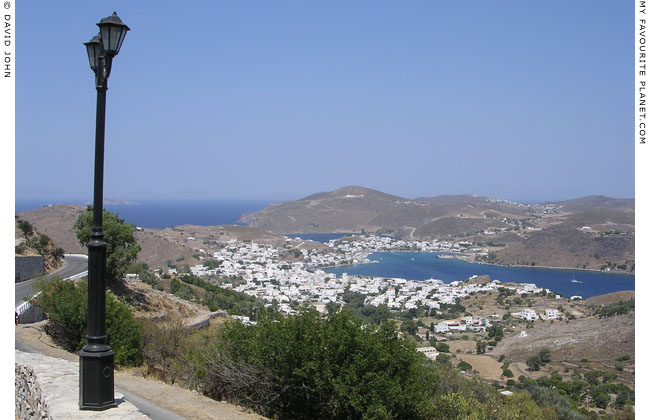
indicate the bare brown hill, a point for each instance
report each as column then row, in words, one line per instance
column 595, row 202
column 564, row 245
column 57, row 222
column 610, row 298
column 349, row 209
column 546, row 234
column 353, row 209
column 597, row 340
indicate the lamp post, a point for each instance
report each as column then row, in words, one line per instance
column 96, row 382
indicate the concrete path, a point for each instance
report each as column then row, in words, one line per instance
column 54, row 384
column 159, row 401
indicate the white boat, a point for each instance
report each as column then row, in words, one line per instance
column 573, row 279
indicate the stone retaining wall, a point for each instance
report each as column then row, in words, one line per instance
column 28, row 267
column 29, row 397
column 48, row 388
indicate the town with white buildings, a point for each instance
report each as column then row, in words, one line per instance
column 263, row 274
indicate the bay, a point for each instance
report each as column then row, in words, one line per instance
column 318, row 237
column 425, row 265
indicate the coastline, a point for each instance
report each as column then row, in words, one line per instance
column 591, row 270
column 557, row 279
column 470, row 261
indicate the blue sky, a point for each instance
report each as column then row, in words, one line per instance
column 527, row 101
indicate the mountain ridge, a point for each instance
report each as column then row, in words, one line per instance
column 570, row 233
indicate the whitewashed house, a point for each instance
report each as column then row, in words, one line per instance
column 552, row 314
column 528, row 315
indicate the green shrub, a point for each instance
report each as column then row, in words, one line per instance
column 66, row 306
column 25, row 227
column 442, row 347
column 619, row 308
column 164, row 347
column 534, row 362
column 464, row 366
column 304, row 367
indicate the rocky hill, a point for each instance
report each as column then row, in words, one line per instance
column 587, row 232
column 31, row 242
column 57, row 222
column 357, row 209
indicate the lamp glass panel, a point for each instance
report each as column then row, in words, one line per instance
column 90, row 49
column 112, row 37
column 115, row 39
column 120, row 39
column 106, row 30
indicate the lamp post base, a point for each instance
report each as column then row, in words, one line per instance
column 96, row 384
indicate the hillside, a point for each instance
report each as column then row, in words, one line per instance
column 349, row 209
column 57, row 222
column 590, row 232
column 160, row 248
column 356, row 209
column 596, row 202
column 583, row 338
column 564, row 245
column 547, row 234
column 29, row 241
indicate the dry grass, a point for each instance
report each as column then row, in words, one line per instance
column 486, row 366
column 462, row 345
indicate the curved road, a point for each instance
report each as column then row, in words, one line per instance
column 75, row 265
column 72, row 265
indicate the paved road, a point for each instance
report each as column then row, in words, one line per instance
column 72, row 265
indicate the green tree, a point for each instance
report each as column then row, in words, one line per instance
column 66, row 305
column 409, row 326
column 534, row 362
column 545, row 355
column 26, row 228
column 305, row 367
column 442, row 347
column 122, row 247
column 601, row 399
column 43, row 240
column 456, row 407
column 174, row 285
column 480, row 347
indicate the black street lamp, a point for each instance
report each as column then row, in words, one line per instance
column 96, row 382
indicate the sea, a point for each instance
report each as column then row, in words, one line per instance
column 158, row 214
column 319, row 237
column 409, row 265
column 426, row 265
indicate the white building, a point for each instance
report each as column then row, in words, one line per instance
column 528, row 315
column 552, row 314
column 430, row 352
column 441, row 327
